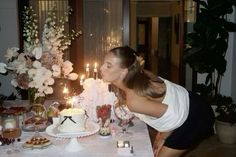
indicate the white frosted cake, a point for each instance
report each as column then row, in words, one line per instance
column 72, row 120
column 95, row 93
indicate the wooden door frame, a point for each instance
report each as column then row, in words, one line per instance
column 126, row 35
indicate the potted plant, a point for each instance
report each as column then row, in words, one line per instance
column 225, row 123
column 206, row 47
column 205, row 52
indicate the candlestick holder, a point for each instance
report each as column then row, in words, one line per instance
column 87, row 74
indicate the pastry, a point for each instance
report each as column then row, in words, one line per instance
column 37, row 143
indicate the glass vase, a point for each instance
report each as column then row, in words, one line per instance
column 103, row 115
column 32, row 99
column 35, row 119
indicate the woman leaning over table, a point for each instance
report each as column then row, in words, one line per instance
column 182, row 118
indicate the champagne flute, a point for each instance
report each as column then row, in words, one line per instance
column 11, row 130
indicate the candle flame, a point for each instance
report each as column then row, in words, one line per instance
column 65, row 90
column 82, row 77
column 71, row 101
column 95, row 65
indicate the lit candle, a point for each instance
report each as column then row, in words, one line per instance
column 126, row 144
column 95, row 71
column 82, row 79
column 120, row 144
column 65, row 90
column 69, row 103
column 73, row 100
column 95, row 67
column 87, row 71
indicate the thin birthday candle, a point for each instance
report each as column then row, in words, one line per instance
column 72, row 101
column 82, row 79
column 69, row 103
column 65, row 92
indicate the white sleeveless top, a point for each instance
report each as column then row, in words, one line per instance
column 177, row 99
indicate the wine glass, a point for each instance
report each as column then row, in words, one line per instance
column 11, row 130
column 125, row 120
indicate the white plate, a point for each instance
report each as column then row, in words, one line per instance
column 90, row 129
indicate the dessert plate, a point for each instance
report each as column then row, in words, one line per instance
column 90, row 129
column 37, row 143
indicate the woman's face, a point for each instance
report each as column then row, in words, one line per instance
column 111, row 70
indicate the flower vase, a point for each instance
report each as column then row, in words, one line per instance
column 103, row 115
column 105, row 129
column 35, row 119
column 33, row 100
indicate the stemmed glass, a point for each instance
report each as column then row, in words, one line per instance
column 125, row 120
column 11, row 130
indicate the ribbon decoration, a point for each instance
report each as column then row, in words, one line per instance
column 66, row 117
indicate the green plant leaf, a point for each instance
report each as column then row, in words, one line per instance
column 230, row 26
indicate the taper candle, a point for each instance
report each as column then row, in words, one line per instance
column 87, row 71
column 95, row 71
column 82, row 79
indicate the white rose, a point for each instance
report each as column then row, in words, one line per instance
column 56, row 70
column 67, row 67
column 72, row 76
column 37, row 52
column 37, row 64
column 11, row 52
column 48, row 90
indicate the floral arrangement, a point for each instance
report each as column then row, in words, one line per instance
column 103, row 112
column 40, row 63
column 103, row 115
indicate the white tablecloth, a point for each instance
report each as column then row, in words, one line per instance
column 93, row 146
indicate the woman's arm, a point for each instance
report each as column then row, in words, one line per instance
column 144, row 105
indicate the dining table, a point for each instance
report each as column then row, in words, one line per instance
column 93, row 145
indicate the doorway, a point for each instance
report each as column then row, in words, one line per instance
column 156, row 32
column 157, row 53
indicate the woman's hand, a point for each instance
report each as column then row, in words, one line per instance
column 158, row 144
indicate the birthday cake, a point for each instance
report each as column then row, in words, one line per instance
column 72, row 120
column 95, row 93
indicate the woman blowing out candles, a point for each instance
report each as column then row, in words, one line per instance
column 181, row 118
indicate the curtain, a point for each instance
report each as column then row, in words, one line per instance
column 103, row 28
column 42, row 7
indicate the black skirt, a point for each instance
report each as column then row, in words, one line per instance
column 198, row 126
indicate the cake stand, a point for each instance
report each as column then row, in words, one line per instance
column 73, row 145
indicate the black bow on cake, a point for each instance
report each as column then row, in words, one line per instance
column 68, row 117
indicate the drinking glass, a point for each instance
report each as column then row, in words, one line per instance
column 104, row 115
column 35, row 119
column 125, row 118
column 11, row 130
